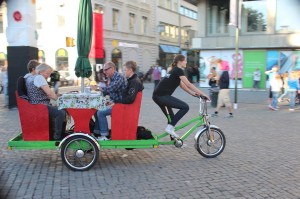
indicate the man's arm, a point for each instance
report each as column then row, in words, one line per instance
column 114, row 85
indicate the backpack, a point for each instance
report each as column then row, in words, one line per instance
column 55, row 76
column 143, row 133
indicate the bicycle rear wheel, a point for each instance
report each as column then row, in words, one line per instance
column 210, row 144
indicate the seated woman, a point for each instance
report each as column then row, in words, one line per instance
column 39, row 92
column 162, row 94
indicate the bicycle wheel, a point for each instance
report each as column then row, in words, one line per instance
column 79, row 153
column 211, row 144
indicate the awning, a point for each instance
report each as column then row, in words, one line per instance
column 169, row 49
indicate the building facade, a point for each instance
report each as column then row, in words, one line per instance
column 268, row 36
column 145, row 31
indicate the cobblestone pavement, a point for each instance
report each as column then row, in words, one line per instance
column 261, row 160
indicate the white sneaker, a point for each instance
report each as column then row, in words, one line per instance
column 170, row 130
column 102, row 138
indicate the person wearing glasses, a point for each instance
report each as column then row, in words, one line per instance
column 39, row 92
column 115, row 88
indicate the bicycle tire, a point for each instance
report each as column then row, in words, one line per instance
column 208, row 148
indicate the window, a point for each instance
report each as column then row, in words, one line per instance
column 254, row 16
column 287, row 23
column 1, row 24
column 168, row 30
column 98, row 8
column 144, row 25
column 131, row 22
column 115, row 19
column 217, row 17
column 169, row 4
column 188, row 12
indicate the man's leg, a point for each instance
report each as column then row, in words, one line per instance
column 102, row 121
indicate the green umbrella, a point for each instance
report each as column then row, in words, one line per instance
column 84, row 38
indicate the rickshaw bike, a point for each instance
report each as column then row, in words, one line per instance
column 79, row 150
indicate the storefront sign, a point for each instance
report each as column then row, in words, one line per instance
column 128, row 45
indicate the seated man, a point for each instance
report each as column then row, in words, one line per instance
column 127, row 96
column 39, row 92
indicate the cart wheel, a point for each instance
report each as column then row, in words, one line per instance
column 79, row 153
column 210, row 144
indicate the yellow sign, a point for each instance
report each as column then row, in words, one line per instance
column 2, row 56
column 115, row 43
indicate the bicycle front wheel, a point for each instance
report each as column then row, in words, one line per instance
column 211, row 143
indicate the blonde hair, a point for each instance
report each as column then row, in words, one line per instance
column 131, row 64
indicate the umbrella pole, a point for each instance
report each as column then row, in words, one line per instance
column 82, row 85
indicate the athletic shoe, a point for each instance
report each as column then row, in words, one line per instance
column 272, row 108
column 229, row 116
column 102, row 138
column 170, row 130
column 214, row 115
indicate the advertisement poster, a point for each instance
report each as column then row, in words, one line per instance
column 286, row 60
column 208, row 59
column 253, row 60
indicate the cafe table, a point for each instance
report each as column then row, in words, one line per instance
column 81, row 107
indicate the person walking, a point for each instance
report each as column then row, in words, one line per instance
column 156, row 75
column 4, row 80
column 293, row 88
column 271, row 75
column 224, row 92
column 285, row 77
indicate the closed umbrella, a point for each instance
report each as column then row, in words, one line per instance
column 84, row 37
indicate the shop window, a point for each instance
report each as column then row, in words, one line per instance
column 62, row 60
column 254, row 16
column 116, row 57
column 217, row 17
column 41, row 56
column 2, row 59
column 290, row 23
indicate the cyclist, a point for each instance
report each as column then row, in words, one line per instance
column 162, row 94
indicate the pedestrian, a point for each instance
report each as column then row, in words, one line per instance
column 276, row 85
column 162, row 94
column 55, row 81
column 256, row 78
column 156, row 75
column 4, row 80
column 212, row 77
column 163, row 72
column 271, row 75
column 196, row 73
column 285, row 77
column 224, row 92
column 293, row 88
column 102, row 79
